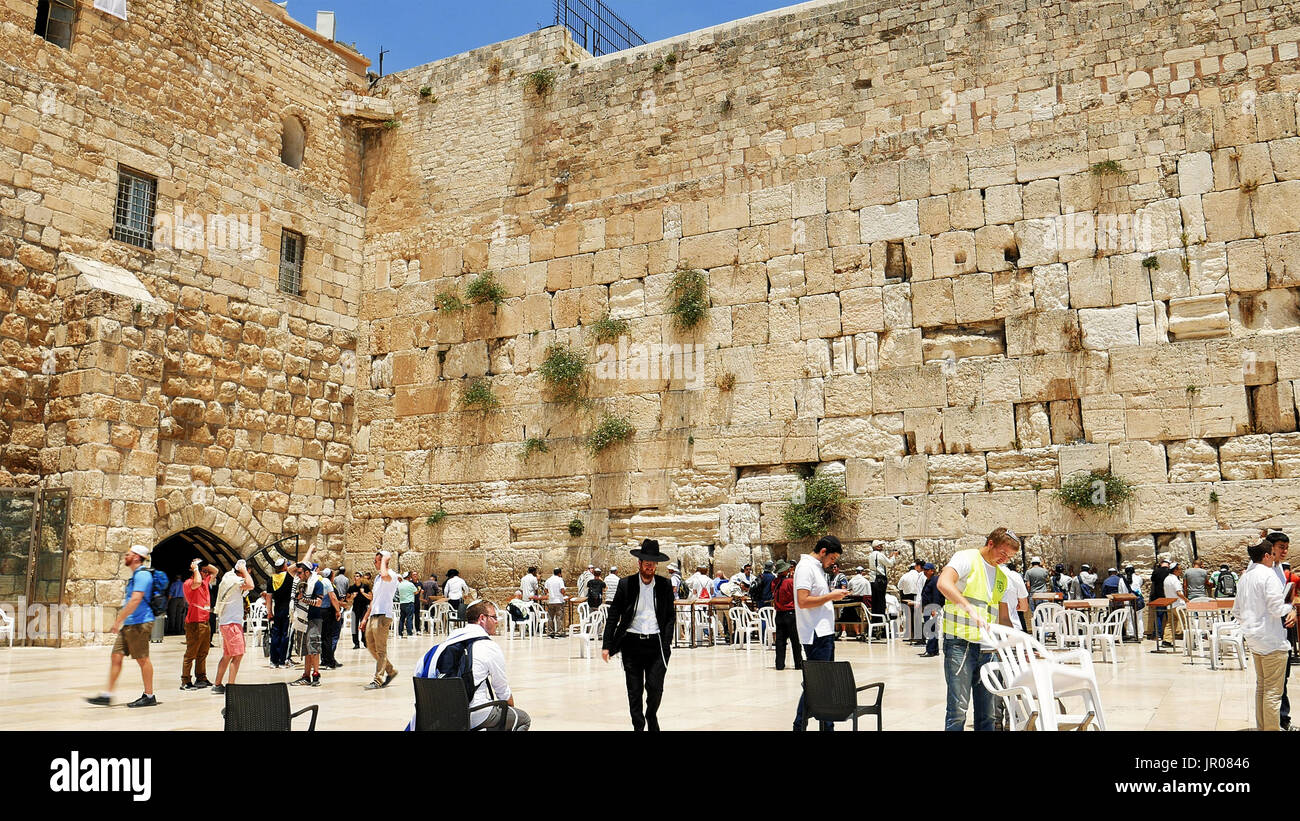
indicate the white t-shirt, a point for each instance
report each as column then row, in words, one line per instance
column 489, row 674
column 1173, row 587
column 455, row 588
column 963, row 563
column 815, row 621
column 1016, row 591
column 554, row 590
column 528, row 586
column 698, row 582
column 233, row 612
column 382, row 592
column 911, row 582
column 860, row 585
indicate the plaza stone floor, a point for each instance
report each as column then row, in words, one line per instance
column 713, row 688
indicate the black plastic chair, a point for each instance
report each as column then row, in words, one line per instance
column 441, row 705
column 831, row 694
column 261, row 708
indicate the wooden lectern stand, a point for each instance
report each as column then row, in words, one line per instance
column 1162, row 605
column 1118, row 600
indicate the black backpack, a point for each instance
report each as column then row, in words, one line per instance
column 1226, row 586
column 758, row 591
column 457, row 661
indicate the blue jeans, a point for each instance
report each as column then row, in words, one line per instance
column 962, row 661
column 821, row 649
column 406, row 626
column 279, row 640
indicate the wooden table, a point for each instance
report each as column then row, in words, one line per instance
column 1162, row 606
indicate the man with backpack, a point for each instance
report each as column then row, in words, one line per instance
column 133, row 625
column 1225, row 583
column 470, row 655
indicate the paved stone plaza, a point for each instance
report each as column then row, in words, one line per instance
column 715, row 688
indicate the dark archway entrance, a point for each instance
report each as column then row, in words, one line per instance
column 174, row 554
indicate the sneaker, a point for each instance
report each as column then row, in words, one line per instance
column 100, row 701
column 300, row 682
column 186, row 687
column 199, row 685
column 374, row 685
column 144, row 701
column 388, row 678
column 218, row 689
column 315, row 682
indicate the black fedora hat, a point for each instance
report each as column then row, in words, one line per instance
column 649, row 552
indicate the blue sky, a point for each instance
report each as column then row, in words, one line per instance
column 414, row 32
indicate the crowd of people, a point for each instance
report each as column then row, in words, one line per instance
column 305, row 605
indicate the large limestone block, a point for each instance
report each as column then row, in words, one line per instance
column 889, row 222
column 1032, row 469
column 901, row 388
column 1129, row 280
column 876, row 518
column 1194, row 173
column 876, row 185
column 1246, row 268
column 1198, row 317
column 848, row 395
column 1139, row 462
column 766, row 484
column 1286, row 455
column 1016, row 509
column 1043, row 332
column 1051, row 287
column 862, row 310
column 1042, row 198
column 900, row 348
column 1037, row 241
column 1247, row 457
column 1274, row 406
column 995, row 248
column 1257, row 503
column 819, row 316
column 738, row 524
column 898, row 305
column 1002, row 204
column 1275, row 210
column 951, row 347
column 1090, row 285
column 953, row 253
column 1104, row 419
column 1216, row 547
column 1170, row 507
column 1105, row 329
column 1193, row 460
column 924, row 429
column 864, row 477
column 1227, row 215
column 875, row 437
column 957, row 473
column 1033, row 428
column 1209, row 268
column 932, row 303
column 1052, row 156
column 966, row 209
column 771, row 205
column 710, row 250
column 990, row 426
column 906, row 475
column 1083, row 458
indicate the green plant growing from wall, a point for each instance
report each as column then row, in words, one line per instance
column 576, row 527
column 1214, row 497
column 1151, row 263
column 541, row 81
column 478, row 396
column 533, row 444
column 389, row 125
column 485, row 288
column 449, row 301
column 1101, row 169
column 436, row 517
column 563, row 371
column 689, row 298
column 426, row 93
column 1097, row 491
column 727, row 382
column 823, row 502
column 607, row 329
column 609, row 431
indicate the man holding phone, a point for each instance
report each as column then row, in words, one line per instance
column 814, row 611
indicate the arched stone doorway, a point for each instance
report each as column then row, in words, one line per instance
column 173, row 555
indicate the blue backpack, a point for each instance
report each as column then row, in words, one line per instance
column 158, row 593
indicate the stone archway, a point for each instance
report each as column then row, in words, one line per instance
column 243, row 539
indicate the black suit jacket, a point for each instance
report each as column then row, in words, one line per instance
column 623, row 610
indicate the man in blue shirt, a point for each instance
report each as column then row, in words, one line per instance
column 133, row 625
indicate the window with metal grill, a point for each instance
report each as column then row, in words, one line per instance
column 292, row 248
column 54, row 20
column 136, row 196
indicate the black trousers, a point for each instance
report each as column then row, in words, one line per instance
column 357, row 635
column 786, row 631
column 329, row 632
column 644, row 670
column 878, row 595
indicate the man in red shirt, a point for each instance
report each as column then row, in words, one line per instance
column 198, row 599
column 783, row 601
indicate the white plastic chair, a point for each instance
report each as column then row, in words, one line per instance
column 345, row 629
column 1019, row 701
column 1073, row 627
column 1045, row 623
column 1196, row 632
column 1110, row 634
column 1227, row 634
column 878, row 621
column 589, row 630
column 1027, row 663
column 744, row 626
column 7, row 627
column 256, row 621
column 767, row 625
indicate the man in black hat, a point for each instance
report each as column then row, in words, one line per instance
column 640, row 626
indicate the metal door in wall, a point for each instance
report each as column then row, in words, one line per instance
column 33, row 562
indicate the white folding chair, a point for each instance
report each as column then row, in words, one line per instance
column 7, row 627
column 1227, row 634
column 1045, row 623
column 1027, row 663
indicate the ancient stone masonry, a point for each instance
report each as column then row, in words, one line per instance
column 175, row 386
column 955, row 254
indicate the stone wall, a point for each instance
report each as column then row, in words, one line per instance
column 177, row 385
column 956, row 253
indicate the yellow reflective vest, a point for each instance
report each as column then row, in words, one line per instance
column 983, row 597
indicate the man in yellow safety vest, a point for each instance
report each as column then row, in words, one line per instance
column 974, row 584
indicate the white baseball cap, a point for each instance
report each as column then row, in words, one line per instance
column 140, row 550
